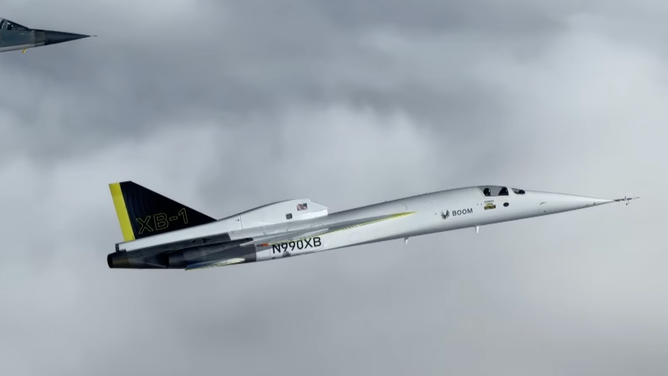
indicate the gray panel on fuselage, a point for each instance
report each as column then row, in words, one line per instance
column 14, row 36
column 16, row 40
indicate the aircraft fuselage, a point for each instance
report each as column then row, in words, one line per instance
column 15, row 37
column 226, row 242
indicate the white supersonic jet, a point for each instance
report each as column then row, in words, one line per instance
column 160, row 233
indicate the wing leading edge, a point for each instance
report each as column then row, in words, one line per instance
column 267, row 241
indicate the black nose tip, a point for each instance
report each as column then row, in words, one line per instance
column 54, row 37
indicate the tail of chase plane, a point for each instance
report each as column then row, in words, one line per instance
column 142, row 212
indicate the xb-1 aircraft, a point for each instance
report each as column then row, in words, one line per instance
column 15, row 37
column 160, row 233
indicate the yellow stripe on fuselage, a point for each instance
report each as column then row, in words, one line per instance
column 392, row 216
column 121, row 211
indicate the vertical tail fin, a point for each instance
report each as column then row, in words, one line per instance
column 142, row 212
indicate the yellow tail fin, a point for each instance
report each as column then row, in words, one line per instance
column 121, row 211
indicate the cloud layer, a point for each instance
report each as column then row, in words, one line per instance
column 229, row 105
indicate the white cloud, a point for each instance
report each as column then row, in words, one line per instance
column 584, row 114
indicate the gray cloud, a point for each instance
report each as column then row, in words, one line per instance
column 229, row 105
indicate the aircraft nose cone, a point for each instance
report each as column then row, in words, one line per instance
column 586, row 202
column 54, row 37
column 557, row 202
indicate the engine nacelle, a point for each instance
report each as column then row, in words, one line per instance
column 183, row 257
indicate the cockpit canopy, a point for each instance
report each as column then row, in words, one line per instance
column 497, row 190
column 9, row 25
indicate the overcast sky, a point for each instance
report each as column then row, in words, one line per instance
column 226, row 105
